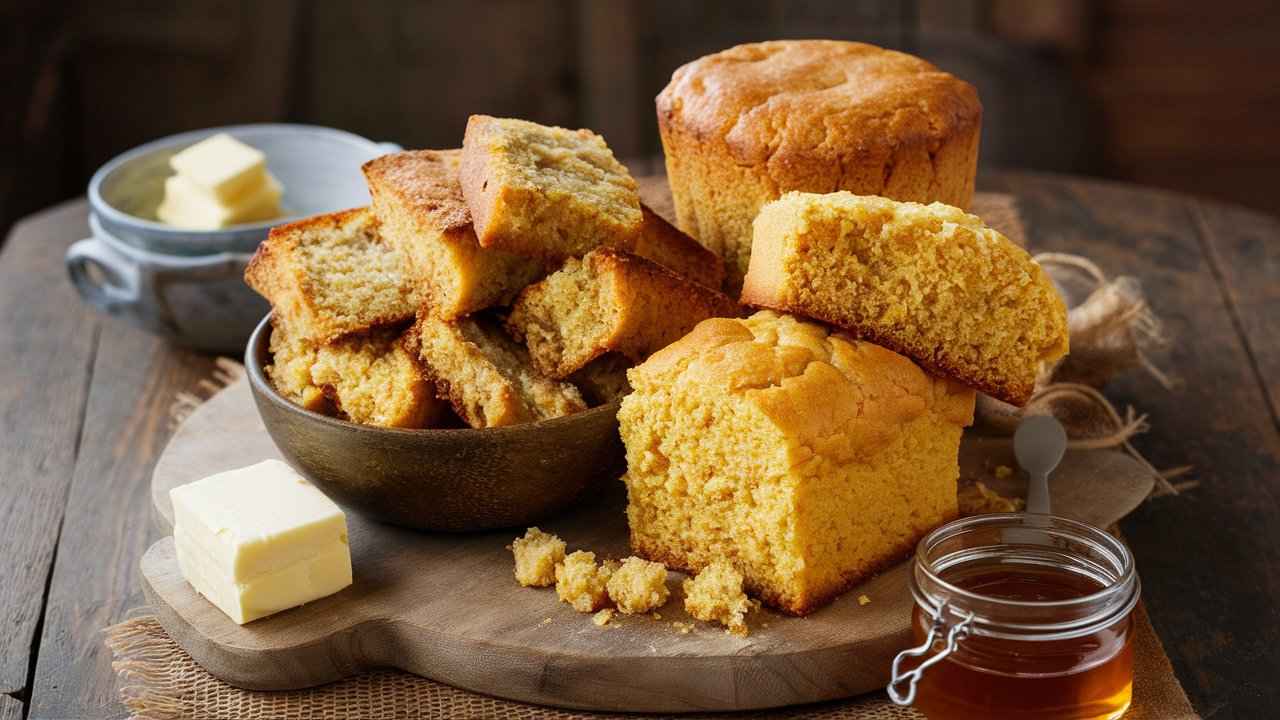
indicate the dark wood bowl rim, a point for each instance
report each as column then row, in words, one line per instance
column 257, row 345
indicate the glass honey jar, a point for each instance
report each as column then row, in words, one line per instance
column 1019, row 615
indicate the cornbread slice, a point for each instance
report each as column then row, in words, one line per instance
column 332, row 275
column 609, row 301
column 418, row 201
column 546, row 191
column 803, row 457
column 638, row 586
column 929, row 281
column 716, row 595
column 487, row 377
column 604, row 379
column 663, row 243
column 536, row 555
column 368, row 378
column 582, row 583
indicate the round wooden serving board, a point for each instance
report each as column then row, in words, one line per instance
column 447, row 607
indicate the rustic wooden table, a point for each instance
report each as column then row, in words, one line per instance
column 84, row 411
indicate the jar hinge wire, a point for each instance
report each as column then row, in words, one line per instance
column 957, row 633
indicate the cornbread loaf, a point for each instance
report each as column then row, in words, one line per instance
column 604, row 379
column 804, row 458
column 743, row 126
column 367, row 378
column 928, row 281
column 582, row 583
column 485, row 375
column 419, row 204
column 638, row 586
column 716, row 595
column 609, row 300
column 332, row 275
column 546, row 191
column 536, row 555
column 663, row 243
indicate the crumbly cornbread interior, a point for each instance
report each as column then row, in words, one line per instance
column 582, row 583
column 536, row 555
column 375, row 381
column 638, row 586
column 716, row 595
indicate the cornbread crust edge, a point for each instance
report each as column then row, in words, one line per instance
column 765, row 287
column 667, row 245
column 888, row 416
column 274, row 274
column 743, row 126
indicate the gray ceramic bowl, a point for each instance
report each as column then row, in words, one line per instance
column 187, row 285
column 440, row 479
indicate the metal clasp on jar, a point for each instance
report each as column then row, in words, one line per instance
column 955, row 634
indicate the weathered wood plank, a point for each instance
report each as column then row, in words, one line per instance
column 1245, row 249
column 10, row 708
column 47, row 340
column 1209, row 558
column 107, row 525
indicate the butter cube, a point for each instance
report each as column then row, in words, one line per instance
column 221, row 165
column 259, row 540
column 187, row 205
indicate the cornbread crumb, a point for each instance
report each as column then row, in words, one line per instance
column 536, row 555
column 419, row 204
column 929, row 281
column 809, row 458
column 332, row 275
column 975, row 498
column 864, row 600
column 1003, row 471
column 656, row 616
column 485, row 375
column 682, row 627
column 580, row 582
column 639, row 586
column 716, row 595
column 609, row 301
column 603, row 617
column 546, row 191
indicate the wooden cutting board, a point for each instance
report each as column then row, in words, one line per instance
column 447, row 606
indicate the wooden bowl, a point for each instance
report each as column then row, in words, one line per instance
column 440, row 479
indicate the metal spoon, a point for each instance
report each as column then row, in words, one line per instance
column 1039, row 444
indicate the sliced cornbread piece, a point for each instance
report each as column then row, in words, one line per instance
column 638, row 586
column 418, row 201
column 663, row 243
column 582, row 583
column 609, row 300
column 536, row 555
column 928, row 281
column 805, row 458
column 485, row 375
column 604, row 379
column 290, row 371
column 374, row 380
column 332, row 275
column 546, row 191
column 716, row 595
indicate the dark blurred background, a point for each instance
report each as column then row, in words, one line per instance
column 1183, row 94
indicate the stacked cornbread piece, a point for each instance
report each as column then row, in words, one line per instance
column 503, row 281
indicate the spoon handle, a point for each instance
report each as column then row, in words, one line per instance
column 1038, row 493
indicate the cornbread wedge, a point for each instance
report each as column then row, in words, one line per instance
column 806, row 459
column 367, row 378
column 609, row 301
column 485, row 375
column 332, row 275
column 663, row 243
column 418, row 201
column 544, row 191
column 929, row 281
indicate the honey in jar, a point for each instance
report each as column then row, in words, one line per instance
column 1025, row 616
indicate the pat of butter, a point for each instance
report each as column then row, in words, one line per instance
column 186, row 205
column 259, row 540
column 221, row 165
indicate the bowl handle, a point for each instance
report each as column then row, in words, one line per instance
column 116, row 289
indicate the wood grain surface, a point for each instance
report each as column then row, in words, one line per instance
column 447, row 607
column 1208, row 558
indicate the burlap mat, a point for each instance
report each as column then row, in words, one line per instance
column 158, row 681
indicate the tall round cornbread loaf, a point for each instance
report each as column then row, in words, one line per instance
column 745, row 125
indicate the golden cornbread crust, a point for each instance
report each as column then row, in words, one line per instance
column 745, row 125
column 929, row 281
column 332, row 275
column 546, row 192
column 806, row 459
column 418, row 200
column 663, row 243
column 609, row 301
